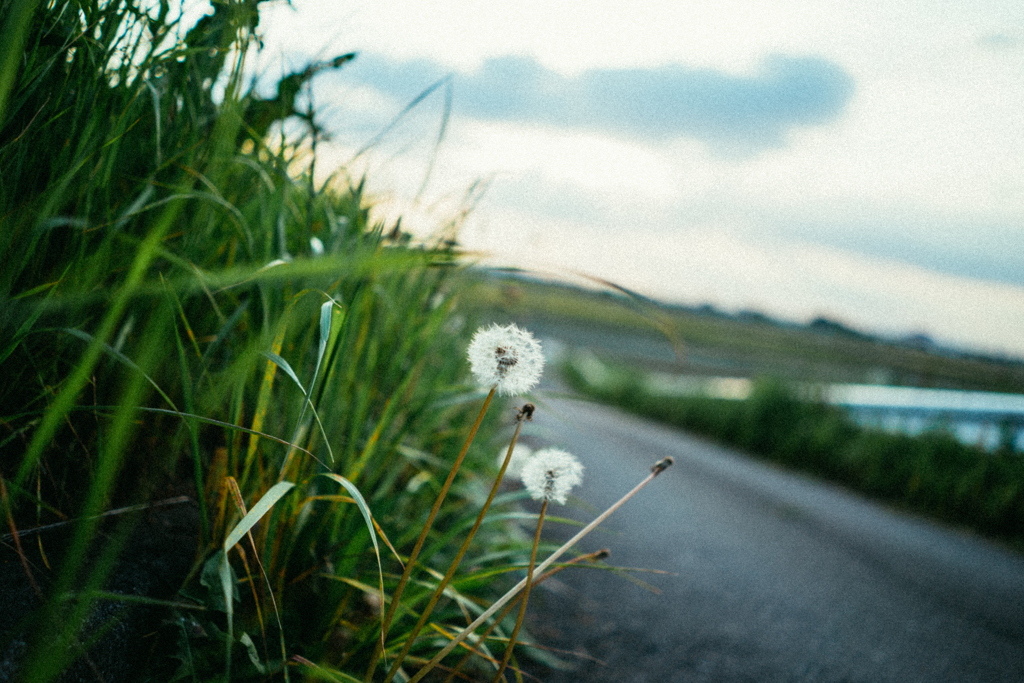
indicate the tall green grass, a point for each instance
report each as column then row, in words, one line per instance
column 931, row 473
column 184, row 310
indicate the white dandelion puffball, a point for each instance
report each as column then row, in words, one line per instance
column 506, row 357
column 520, row 455
column 550, row 474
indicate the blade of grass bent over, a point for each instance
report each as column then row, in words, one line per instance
column 224, row 571
column 267, row 385
column 27, row 325
column 364, row 509
column 284, row 365
column 114, row 353
column 326, row 318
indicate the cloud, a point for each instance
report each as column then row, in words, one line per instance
column 730, row 112
column 978, row 247
column 975, row 245
column 998, row 42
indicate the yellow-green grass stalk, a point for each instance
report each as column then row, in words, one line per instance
column 589, row 557
column 411, row 561
column 524, row 600
column 525, row 413
column 657, row 469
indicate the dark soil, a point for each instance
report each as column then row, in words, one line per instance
column 158, row 552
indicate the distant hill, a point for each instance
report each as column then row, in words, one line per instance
column 705, row 340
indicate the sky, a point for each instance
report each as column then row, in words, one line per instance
column 861, row 161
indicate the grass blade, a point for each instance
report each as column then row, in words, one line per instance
column 284, row 365
column 12, row 36
column 364, row 509
column 258, row 510
column 224, row 569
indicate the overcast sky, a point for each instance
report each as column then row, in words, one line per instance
column 858, row 160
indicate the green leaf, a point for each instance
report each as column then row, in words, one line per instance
column 26, row 326
column 261, row 508
column 319, row 673
column 227, row 583
column 283, row 364
column 210, row 577
column 367, row 518
column 254, row 656
column 117, row 355
column 325, row 331
column 326, row 318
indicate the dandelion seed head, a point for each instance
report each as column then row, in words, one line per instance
column 507, row 357
column 520, row 455
column 550, row 474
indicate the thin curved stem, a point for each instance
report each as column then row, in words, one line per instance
column 411, row 639
column 397, row 595
column 526, row 596
column 589, row 557
column 658, row 468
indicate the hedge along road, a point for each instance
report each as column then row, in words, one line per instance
column 774, row 576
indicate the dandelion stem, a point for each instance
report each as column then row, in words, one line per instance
column 411, row 638
column 397, row 595
column 658, row 468
column 526, row 596
column 589, row 557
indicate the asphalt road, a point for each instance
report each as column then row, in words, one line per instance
column 772, row 576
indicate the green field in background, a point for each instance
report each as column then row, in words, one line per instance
column 703, row 341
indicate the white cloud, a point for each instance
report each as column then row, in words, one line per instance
column 590, row 162
column 923, row 166
column 573, row 35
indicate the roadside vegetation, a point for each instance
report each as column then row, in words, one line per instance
column 188, row 318
column 931, row 473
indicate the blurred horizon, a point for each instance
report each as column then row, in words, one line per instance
column 857, row 163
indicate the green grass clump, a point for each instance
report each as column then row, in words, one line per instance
column 184, row 311
column 931, row 473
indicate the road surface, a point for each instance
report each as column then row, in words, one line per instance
column 772, row 576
